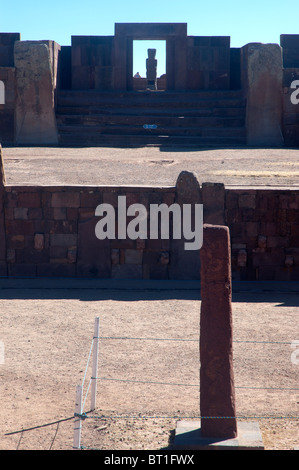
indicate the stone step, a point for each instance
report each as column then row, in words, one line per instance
column 133, row 100
column 150, row 111
column 104, row 140
column 141, row 120
column 137, row 104
column 153, row 94
column 106, row 118
column 160, row 130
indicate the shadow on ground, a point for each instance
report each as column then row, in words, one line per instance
column 278, row 293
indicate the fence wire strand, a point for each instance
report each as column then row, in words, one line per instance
column 186, row 340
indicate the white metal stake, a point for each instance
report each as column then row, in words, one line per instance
column 78, row 421
column 95, row 355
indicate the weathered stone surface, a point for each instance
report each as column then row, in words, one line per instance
column 64, row 199
column 262, row 79
column 58, row 239
column 35, row 114
column 185, row 264
column 217, row 393
column 213, row 198
column 151, row 69
column 2, row 216
column 93, row 255
column 39, row 241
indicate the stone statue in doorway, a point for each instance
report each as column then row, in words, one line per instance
column 151, row 69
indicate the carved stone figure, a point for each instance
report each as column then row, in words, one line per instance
column 151, row 69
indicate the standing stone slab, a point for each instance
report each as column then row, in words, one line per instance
column 218, row 428
column 35, row 113
column 185, row 264
column 217, row 392
column 3, row 264
column 262, row 79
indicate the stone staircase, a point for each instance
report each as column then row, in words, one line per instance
column 124, row 119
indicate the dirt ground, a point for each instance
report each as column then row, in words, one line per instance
column 151, row 166
column 146, row 335
column 148, row 376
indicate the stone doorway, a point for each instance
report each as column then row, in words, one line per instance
column 142, row 65
column 175, row 38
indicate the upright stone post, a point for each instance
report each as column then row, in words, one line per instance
column 185, row 264
column 35, row 87
column 262, row 73
column 3, row 264
column 217, row 428
column 217, row 392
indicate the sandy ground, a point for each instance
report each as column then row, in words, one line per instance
column 46, row 332
column 147, row 335
column 151, row 166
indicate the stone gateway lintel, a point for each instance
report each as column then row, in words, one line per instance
column 151, row 30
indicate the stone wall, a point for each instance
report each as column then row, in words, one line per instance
column 50, row 231
column 264, row 227
column 7, row 109
column 92, row 62
column 208, row 64
column 7, row 76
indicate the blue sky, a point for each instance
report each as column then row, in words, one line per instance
column 244, row 22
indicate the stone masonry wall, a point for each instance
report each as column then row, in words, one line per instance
column 50, row 231
column 264, row 230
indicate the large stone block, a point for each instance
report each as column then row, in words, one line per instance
column 185, row 264
column 7, row 41
column 2, row 214
column 35, row 84
column 93, row 255
column 213, row 197
column 65, row 199
column 217, row 392
column 262, row 79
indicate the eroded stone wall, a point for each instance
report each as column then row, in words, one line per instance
column 50, row 231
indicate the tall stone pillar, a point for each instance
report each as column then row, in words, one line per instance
column 262, row 80
column 217, row 392
column 185, row 264
column 3, row 264
column 218, row 427
column 35, row 100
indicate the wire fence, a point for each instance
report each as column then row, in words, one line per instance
column 82, row 415
column 87, row 385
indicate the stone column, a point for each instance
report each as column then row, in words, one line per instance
column 262, row 73
column 35, row 86
column 217, row 393
column 185, row 264
column 3, row 264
